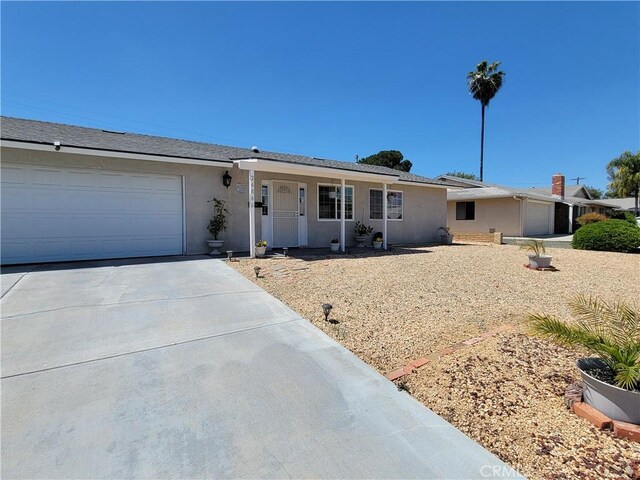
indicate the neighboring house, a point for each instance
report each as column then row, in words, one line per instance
column 480, row 207
column 628, row 204
column 75, row 193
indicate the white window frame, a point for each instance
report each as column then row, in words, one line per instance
column 383, row 199
column 353, row 203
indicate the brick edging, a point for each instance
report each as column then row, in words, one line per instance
column 413, row 365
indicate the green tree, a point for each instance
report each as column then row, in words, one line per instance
column 388, row 158
column 484, row 82
column 624, row 177
column 595, row 193
column 468, row 176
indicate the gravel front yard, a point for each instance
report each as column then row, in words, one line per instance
column 506, row 393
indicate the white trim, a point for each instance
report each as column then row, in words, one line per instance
column 252, row 215
column 353, row 202
column 388, row 191
column 385, row 214
column 311, row 170
column 113, row 154
column 303, row 232
column 343, row 211
column 184, row 215
column 428, row 185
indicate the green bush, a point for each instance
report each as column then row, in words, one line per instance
column 610, row 236
column 624, row 215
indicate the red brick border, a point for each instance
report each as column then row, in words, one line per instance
column 421, row 362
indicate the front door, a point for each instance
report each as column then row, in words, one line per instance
column 285, row 214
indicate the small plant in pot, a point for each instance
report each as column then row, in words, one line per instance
column 217, row 225
column 362, row 231
column 335, row 245
column 261, row 248
column 611, row 380
column 446, row 236
column 537, row 254
column 377, row 240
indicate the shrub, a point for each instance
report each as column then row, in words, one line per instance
column 611, row 331
column 610, row 236
column 624, row 215
column 590, row 218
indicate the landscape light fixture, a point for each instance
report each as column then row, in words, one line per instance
column 285, row 250
column 326, row 308
column 257, row 270
column 226, row 179
column 229, row 254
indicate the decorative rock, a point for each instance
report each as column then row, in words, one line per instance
column 573, row 394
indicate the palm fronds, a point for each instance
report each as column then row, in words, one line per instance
column 609, row 330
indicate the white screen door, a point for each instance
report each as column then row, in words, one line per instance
column 285, row 214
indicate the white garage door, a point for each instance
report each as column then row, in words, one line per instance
column 537, row 219
column 52, row 214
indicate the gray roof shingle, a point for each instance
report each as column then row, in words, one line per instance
column 35, row 131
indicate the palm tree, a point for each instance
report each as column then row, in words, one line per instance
column 611, row 331
column 624, row 174
column 484, row 82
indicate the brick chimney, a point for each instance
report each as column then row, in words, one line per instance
column 557, row 185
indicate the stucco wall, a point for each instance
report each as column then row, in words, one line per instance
column 503, row 214
column 202, row 183
column 424, row 208
column 424, row 211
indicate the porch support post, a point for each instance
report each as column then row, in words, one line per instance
column 384, row 215
column 570, row 219
column 342, row 215
column 252, row 215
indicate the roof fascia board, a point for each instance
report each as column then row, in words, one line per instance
column 112, row 153
column 422, row 184
column 311, row 170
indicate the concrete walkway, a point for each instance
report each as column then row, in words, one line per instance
column 177, row 368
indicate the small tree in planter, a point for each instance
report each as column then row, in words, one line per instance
column 537, row 254
column 217, row 225
column 362, row 232
column 612, row 332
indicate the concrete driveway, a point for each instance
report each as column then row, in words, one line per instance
column 183, row 368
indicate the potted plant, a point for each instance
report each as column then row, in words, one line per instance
column 261, row 248
column 377, row 241
column 335, row 245
column 611, row 380
column 217, row 225
column 362, row 232
column 537, row 254
column 446, row 236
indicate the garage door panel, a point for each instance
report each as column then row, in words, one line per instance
column 538, row 219
column 51, row 214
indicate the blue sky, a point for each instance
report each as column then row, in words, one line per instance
column 333, row 80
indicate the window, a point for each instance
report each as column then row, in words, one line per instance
column 465, row 210
column 394, row 204
column 265, row 200
column 302, row 201
column 329, row 202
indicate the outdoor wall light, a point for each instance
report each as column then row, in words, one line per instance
column 326, row 309
column 257, row 270
column 56, row 145
column 226, row 179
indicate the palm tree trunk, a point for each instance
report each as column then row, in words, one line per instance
column 482, row 147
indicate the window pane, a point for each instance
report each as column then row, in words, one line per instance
column 471, row 211
column 375, row 204
column 461, row 210
column 348, row 204
column 394, row 205
column 326, row 205
column 302, row 202
column 265, row 200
